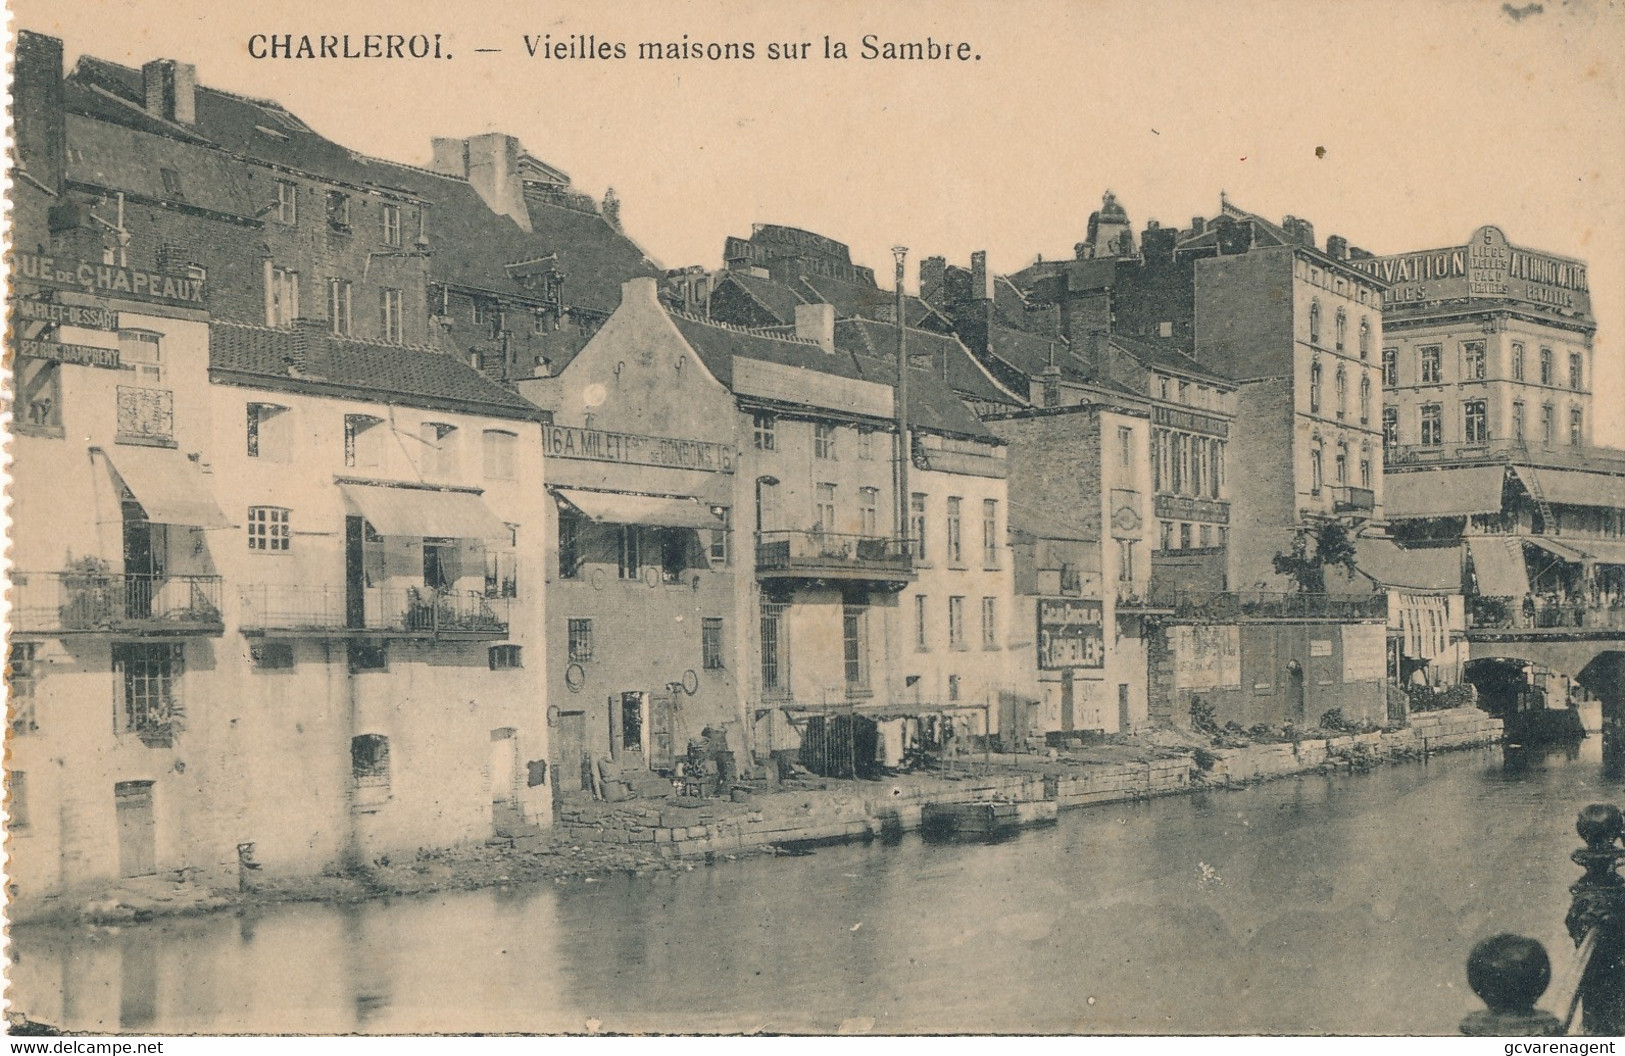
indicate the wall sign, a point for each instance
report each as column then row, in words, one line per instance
column 84, row 355
column 180, row 290
column 1071, row 633
column 597, row 445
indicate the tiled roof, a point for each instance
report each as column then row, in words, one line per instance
column 856, row 299
column 1150, row 354
column 876, row 341
column 932, row 407
column 370, row 370
column 775, row 298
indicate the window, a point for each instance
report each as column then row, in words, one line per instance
column 1184, row 536
column 631, row 552
column 721, row 551
column 1340, row 385
column 1165, row 538
column 1365, row 466
column 369, row 761
column 392, row 224
column 1517, row 361
column 825, row 508
column 1125, row 445
column 674, row 546
column 775, row 649
column 580, row 641
column 1390, row 367
column 441, row 567
column 1517, row 421
column 1317, row 471
column 1314, row 388
column 1365, row 332
column 149, row 677
column 632, row 721
column 502, row 571
column 922, row 642
column 1548, row 424
column 711, row 643
column 1576, row 371
column 1314, row 322
column 1432, row 425
column 338, row 306
column 506, row 657
column 282, row 297
column 956, row 622
column 1474, row 429
column 439, row 446
column 1162, row 386
column 368, row 656
column 1184, row 392
column 1181, row 461
column 338, row 210
column 363, row 441
column 1341, row 331
column 143, row 351
column 953, row 687
column 389, row 314
column 956, row 554
column 855, row 645
column 1125, row 560
column 1216, row 469
column 18, row 807
column 990, row 623
column 990, row 533
column 268, row 529
column 866, row 445
column 1576, row 426
column 1204, row 536
column 765, row 428
column 868, row 511
column 1340, row 464
column 1472, row 360
column 501, row 450
column 1390, row 427
column 39, row 391
column 1545, row 366
column 1159, row 459
column 1432, row 356
column 287, row 202
column 1365, row 398
column 271, row 655
column 823, row 440
column 482, row 312
column 569, row 545
column 172, row 185
column 23, row 671
column 916, row 530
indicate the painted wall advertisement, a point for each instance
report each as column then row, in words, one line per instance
column 1206, row 657
column 1071, row 633
column 1365, row 652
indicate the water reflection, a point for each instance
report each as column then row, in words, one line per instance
column 1323, row 904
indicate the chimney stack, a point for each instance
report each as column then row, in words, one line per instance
column 981, row 280
column 1337, row 246
column 816, row 322
column 38, row 125
column 170, row 89
column 490, row 164
column 933, row 274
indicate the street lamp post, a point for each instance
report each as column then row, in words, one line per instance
column 904, row 447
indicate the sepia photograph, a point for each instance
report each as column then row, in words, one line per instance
column 832, row 519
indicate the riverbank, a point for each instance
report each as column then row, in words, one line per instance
column 592, row 840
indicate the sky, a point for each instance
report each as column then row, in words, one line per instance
column 1398, row 125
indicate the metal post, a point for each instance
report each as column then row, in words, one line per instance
column 1597, row 918
column 905, row 450
column 1510, row 972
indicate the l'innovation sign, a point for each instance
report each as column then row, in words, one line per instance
column 1488, row 267
column 566, row 441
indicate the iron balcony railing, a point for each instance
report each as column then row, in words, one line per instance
column 90, row 601
column 1535, row 612
column 832, row 556
column 417, row 612
column 1353, row 500
column 146, row 414
column 1223, row 606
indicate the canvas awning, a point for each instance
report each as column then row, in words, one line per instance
column 1443, row 492
column 1580, row 551
column 1498, row 567
column 424, row 512
column 168, row 485
column 1570, row 487
column 1432, row 570
column 617, row 508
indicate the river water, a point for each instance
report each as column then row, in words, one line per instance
column 1343, row 904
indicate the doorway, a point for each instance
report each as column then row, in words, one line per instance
column 137, row 830
column 355, row 573
column 1122, row 707
column 1294, row 691
column 570, row 759
column 505, row 812
column 628, row 723
column 144, row 560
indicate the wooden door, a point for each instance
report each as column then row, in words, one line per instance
column 663, row 731
column 570, row 759
column 137, row 831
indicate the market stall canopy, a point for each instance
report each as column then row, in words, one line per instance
column 168, row 485
column 617, row 508
column 1498, row 566
column 1570, row 487
column 1430, row 570
column 1443, row 492
column 425, row 512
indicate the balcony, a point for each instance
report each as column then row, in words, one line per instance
column 1353, row 500
column 1215, row 606
column 1544, row 613
column 374, row 612
column 92, row 602
column 146, row 416
column 826, row 555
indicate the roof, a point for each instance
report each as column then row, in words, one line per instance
column 1422, row 570
column 932, row 407
column 776, row 299
column 1457, row 492
column 878, row 341
column 308, row 358
column 1569, row 487
column 1152, row 355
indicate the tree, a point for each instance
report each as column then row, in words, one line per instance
column 1314, row 549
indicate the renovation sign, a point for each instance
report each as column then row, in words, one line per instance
column 1206, row 656
column 1071, row 633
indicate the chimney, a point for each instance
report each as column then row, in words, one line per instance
column 611, row 209
column 492, row 169
column 816, row 322
column 644, row 291
column 933, row 275
column 170, row 89
column 981, row 281
column 1337, row 246
column 38, row 124
column 1198, row 225
column 450, row 157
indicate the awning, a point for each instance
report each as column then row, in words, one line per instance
column 1561, row 550
column 1498, row 566
column 1443, row 492
column 168, row 485
column 424, row 512
column 1579, row 551
column 616, row 508
column 1571, row 487
column 1435, row 570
